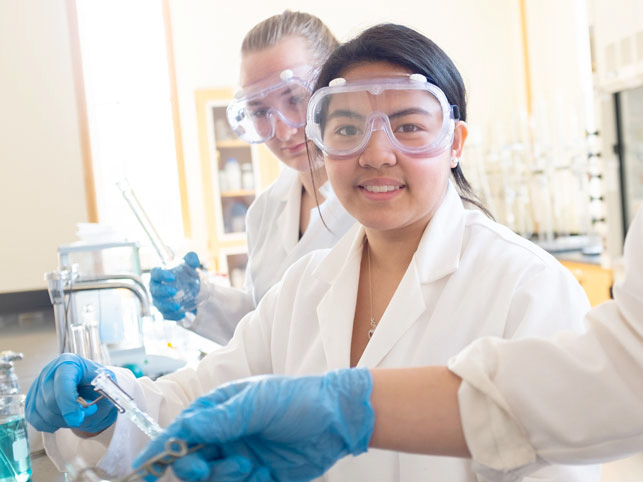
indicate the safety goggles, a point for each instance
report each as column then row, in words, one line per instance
column 414, row 114
column 254, row 111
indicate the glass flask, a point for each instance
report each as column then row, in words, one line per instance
column 15, row 463
column 191, row 285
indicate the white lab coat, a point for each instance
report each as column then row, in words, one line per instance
column 579, row 398
column 272, row 227
column 470, row 277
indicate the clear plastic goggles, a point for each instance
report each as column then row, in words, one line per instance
column 255, row 109
column 414, row 114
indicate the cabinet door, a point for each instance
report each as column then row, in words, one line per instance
column 233, row 172
column 596, row 281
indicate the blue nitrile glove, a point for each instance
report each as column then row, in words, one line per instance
column 273, row 428
column 51, row 401
column 163, row 287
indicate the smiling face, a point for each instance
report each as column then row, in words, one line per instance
column 384, row 188
column 288, row 143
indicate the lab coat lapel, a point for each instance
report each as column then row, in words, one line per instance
column 438, row 255
column 288, row 218
column 336, row 310
column 403, row 310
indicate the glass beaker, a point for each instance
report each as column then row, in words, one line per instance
column 84, row 337
column 192, row 286
column 15, row 463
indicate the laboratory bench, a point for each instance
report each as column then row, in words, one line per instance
column 582, row 256
column 43, row 469
column 34, row 335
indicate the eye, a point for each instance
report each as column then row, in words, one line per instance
column 347, row 131
column 297, row 99
column 259, row 113
column 408, row 128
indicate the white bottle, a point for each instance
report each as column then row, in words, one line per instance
column 233, row 174
column 247, row 177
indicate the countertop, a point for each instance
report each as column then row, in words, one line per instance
column 34, row 335
column 43, row 470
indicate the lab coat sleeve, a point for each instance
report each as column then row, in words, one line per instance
column 219, row 315
column 247, row 354
column 536, row 308
column 572, row 399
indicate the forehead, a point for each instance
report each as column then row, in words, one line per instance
column 288, row 52
column 368, row 70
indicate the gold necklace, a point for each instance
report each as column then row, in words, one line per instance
column 370, row 286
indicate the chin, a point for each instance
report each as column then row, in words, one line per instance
column 298, row 163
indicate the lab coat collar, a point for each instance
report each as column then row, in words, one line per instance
column 287, row 191
column 437, row 255
column 336, row 310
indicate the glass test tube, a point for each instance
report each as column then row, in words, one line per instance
column 105, row 384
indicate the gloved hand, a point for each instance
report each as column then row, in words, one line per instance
column 51, row 401
column 273, row 428
column 164, row 287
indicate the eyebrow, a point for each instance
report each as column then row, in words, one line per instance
column 409, row 111
column 354, row 115
column 344, row 113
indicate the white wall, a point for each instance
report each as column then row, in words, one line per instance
column 41, row 189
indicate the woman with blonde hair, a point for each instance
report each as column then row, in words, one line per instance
column 299, row 212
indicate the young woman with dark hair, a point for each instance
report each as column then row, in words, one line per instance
column 418, row 279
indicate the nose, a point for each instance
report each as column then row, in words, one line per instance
column 283, row 131
column 379, row 152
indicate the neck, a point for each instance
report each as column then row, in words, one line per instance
column 393, row 250
column 311, row 189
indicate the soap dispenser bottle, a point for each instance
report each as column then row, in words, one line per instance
column 15, row 463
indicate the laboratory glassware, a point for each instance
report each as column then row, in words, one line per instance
column 104, row 384
column 8, row 379
column 175, row 448
column 192, row 284
column 15, row 463
column 75, row 328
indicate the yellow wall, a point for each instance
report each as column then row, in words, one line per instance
column 42, row 194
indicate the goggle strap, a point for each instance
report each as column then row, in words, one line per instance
column 455, row 112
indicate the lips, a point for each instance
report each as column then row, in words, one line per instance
column 381, row 189
column 295, row 148
column 381, row 185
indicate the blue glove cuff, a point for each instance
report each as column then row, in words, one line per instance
column 354, row 387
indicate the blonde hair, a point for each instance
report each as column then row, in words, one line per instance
column 319, row 39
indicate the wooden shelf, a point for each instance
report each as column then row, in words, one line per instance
column 220, row 207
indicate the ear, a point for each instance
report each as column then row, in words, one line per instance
column 459, row 138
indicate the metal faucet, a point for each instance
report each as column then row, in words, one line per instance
column 65, row 282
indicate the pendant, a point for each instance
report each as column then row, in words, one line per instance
column 373, row 326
